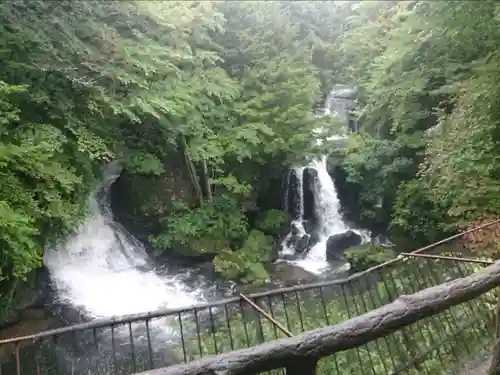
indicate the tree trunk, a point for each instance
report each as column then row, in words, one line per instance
column 192, row 170
column 208, row 185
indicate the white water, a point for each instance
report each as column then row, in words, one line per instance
column 327, row 209
column 327, row 205
column 103, row 271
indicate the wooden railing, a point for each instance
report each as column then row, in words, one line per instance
column 300, row 354
column 363, row 320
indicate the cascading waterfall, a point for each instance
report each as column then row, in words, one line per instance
column 329, row 221
column 103, row 271
column 327, row 207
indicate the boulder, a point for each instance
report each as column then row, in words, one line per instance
column 309, row 225
column 21, row 295
column 288, row 274
column 368, row 255
column 298, row 242
column 383, row 241
column 302, row 244
column 337, row 243
column 295, row 229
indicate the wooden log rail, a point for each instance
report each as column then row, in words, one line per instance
column 300, row 354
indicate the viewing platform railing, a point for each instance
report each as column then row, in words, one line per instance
column 415, row 314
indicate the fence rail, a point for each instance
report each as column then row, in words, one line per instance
column 300, row 354
column 138, row 343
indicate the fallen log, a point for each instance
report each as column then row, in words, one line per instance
column 309, row 347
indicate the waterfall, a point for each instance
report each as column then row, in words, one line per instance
column 103, row 271
column 328, row 220
column 327, row 208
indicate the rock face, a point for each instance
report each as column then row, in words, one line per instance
column 139, row 201
column 337, row 243
column 288, row 274
column 293, row 198
column 310, row 177
column 24, row 295
column 298, row 240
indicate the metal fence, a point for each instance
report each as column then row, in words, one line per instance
column 132, row 344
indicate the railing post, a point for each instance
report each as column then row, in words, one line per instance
column 304, row 366
column 494, row 368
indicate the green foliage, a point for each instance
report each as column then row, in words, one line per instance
column 246, row 264
column 208, row 229
column 427, row 82
column 44, row 173
column 364, row 257
column 218, row 83
column 462, row 165
column 272, row 222
column 417, row 216
column 20, row 252
column 142, row 162
column 232, row 185
column 378, row 165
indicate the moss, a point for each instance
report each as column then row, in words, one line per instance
column 273, row 222
column 141, row 200
column 203, row 246
column 247, row 264
column 369, row 255
column 8, row 313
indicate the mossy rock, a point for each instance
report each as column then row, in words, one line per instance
column 139, row 201
column 288, row 274
column 273, row 222
column 368, row 255
column 203, row 246
column 249, row 264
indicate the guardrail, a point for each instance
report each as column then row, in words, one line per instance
column 300, row 354
column 135, row 343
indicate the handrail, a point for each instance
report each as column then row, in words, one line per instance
column 266, row 315
column 443, row 257
column 131, row 318
column 300, row 354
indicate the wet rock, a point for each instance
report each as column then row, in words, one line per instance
column 310, row 177
column 309, row 225
column 314, row 239
column 294, row 197
column 22, row 295
column 383, row 241
column 302, row 244
column 299, row 242
column 295, row 229
column 289, row 274
column 337, row 243
column 35, row 291
column 368, row 255
column 139, row 201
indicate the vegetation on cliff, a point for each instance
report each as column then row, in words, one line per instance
column 427, row 76
column 227, row 89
